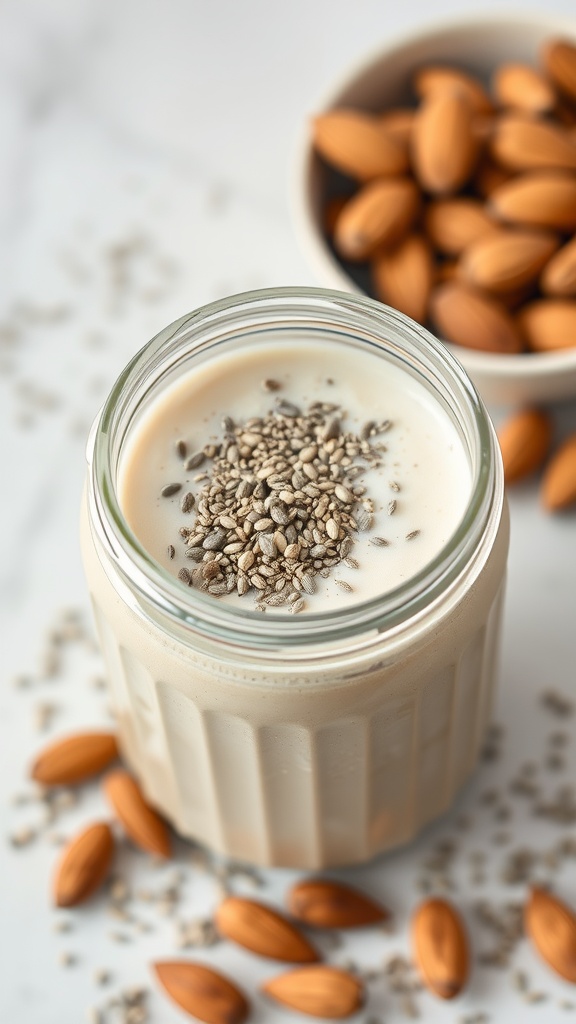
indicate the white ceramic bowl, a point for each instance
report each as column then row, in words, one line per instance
column 383, row 80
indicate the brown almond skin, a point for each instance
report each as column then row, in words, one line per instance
column 322, row 903
column 542, row 199
column 523, row 88
column 549, row 324
column 379, row 215
column 141, row 822
column 402, row 277
column 465, row 317
column 436, row 78
column 524, row 442
column 551, row 926
column 357, row 144
column 84, row 865
column 75, row 758
column 263, row 930
column 508, row 260
column 559, row 276
column 203, row 992
column 559, row 59
column 558, row 489
column 444, row 146
column 440, row 946
column 526, row 144
column 325, row 992
column 454, row 224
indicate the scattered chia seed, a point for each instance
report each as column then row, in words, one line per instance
column 170, row 489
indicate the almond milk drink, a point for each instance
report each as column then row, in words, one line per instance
column 295, row 540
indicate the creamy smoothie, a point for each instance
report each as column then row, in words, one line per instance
column 295, row 538
column 384, row 512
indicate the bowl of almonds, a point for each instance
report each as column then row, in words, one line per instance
column 439, row 177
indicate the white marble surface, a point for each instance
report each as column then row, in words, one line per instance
column 145, row 152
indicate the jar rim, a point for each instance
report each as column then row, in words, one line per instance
column 155, row 588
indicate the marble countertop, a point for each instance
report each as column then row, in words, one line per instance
column 145, row 156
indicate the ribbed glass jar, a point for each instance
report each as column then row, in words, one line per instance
column 310, row 740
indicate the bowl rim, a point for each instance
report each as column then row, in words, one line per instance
column 526, row 365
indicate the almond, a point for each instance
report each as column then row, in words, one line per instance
column 402, row 277
column 75, row 758
column 549, row 324
column 465, row 317
column 441, row 947
column 551, row 925
column 544, row 199
column 559, row 483
column 318, row 991
column 559, row 276
column 202, row 992
column 444, row 147
column 525, row 144
column 440, row 78
column 507, row 260
column 378, row 215
column 523, row 88
column 560, row 62
column 524, row 442
column 84, row 865
column 356, row 144
column 326, row 904
column 144, row 826
column 454, row 224
column 263, row 930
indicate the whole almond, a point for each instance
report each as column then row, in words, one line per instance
column 402, row 277
column 507, row 260
column 465, row 317
column 525, row 144
column 202, row 992
column 440, row 947
column 357, row 144
column 141, row 822
column 322, row 903
column 524, row 441
column 444, row 147
column 74, row 758
column 559, row 482
column 551, row 926
column 454, row 224
column 544, row 199
column 436, row 78
column 559, row 58
column 559, row 275
column 263, row 930
column 327, row 992
column 523, row 88
column 549, row 324
column 378, row 215
column 84, row 865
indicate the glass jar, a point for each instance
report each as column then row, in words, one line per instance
column 313, row 740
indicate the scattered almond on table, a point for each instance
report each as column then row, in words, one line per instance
column 525, row 441
column 464, row 207
column 440, row 943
